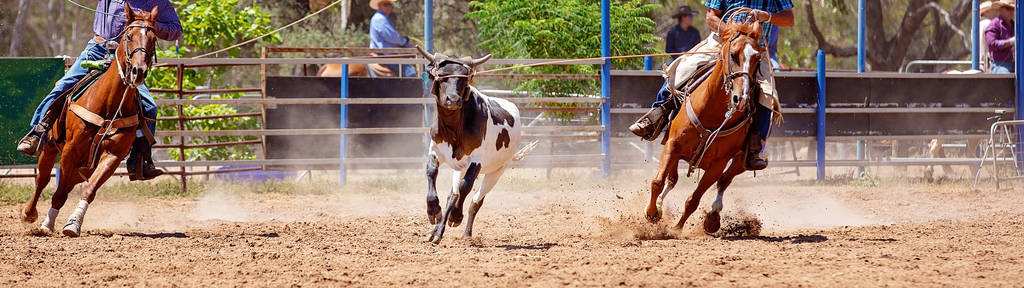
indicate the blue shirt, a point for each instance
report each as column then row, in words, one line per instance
column 109, row 21
column 772, row 6
column 678, row 40
column 383, row 34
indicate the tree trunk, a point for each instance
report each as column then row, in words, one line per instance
column 19, row 26
column 889, row 53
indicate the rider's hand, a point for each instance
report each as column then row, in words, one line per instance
column 762, row 16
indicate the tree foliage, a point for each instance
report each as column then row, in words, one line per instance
column 209, row 25
column 562, row 29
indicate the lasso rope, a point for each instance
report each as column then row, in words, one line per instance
column 247, row 42
column 586, row 60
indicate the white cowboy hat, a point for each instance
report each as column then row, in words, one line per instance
column 1004, row 3
column 375, row 4
column 985, row 7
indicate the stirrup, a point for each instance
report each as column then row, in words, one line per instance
column 32, row 144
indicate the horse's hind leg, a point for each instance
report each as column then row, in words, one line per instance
column 45, row 165
column 711, row 176
column 668, row 175
column 106, row 167
column 478, row 198
column 712, row 221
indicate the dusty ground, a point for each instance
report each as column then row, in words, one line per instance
column 570, row 229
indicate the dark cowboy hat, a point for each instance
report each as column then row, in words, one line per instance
column 684, row 11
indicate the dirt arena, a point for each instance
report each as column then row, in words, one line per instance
column 572, row 229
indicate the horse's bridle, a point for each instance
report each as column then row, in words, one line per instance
column 731, row 75
column 131, row 54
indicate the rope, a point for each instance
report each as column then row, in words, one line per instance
column 586, row 60
column 271, row 32
column 93, row 10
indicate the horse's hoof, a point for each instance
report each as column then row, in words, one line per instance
column 654, row 218
column 712, row 222
column 44, row 229
column 73, row 228
column 30, row 216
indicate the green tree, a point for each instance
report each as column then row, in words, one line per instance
column 210, row 25
column 562, row 29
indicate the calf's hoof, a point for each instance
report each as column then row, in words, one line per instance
column 455, row 219
column 433, row 212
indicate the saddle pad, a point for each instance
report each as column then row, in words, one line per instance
column 79, row 89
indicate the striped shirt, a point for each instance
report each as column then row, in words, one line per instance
column 772, row 6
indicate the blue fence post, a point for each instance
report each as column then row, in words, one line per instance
column 975, row 33
column 649, row 63
column 860, row 67
column 1019, row 66
column 606, row 82
column 343, row 123
column 428, row 24
column 820, row 135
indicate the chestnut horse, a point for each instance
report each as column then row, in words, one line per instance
column 710, row 130
column 99, row 127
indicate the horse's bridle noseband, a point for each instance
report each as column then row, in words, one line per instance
column 131, row 54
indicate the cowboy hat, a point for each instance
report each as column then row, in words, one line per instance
column 375, row 4
column 684, row 10
column 1004, row 3
column 986, row 6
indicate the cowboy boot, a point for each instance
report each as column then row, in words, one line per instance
column 651, row 124
column 755, row 161
column 32, row 142
column 142, row 155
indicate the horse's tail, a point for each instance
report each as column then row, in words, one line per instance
column 526, row 150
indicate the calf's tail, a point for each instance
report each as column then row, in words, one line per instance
column 526, row 150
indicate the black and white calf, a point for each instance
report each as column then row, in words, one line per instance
column 473, row 134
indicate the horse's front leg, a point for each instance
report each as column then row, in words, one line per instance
column 668, row 175
column 433, row 205
column 104, row 169
column 712, row 221
column 45, row 165
column 711, row 176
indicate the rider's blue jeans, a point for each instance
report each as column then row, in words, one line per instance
column 94, row 51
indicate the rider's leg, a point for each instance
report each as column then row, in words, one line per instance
column 766, row 101
column 41, row 120
column 650, row 125
column 142, row 151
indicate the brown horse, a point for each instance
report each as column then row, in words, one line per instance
column 90, row 150
column 710, row 130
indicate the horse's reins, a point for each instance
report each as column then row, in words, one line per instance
column 130, row 83
column 730, row 75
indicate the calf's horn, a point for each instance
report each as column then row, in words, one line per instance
column 480, row 60
column 425, row 54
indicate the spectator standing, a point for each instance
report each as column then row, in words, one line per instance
column 683, row 36
column 1000, row 38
